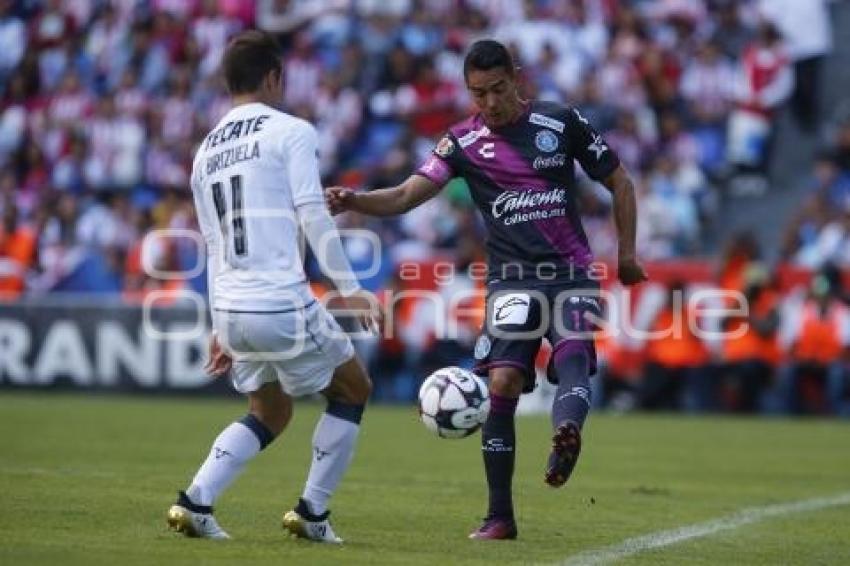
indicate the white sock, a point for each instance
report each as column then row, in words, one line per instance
column 333, row 447
column 230, row 452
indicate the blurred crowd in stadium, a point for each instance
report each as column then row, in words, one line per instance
column 104, row 101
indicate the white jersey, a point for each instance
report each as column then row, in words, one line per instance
column 251, row 172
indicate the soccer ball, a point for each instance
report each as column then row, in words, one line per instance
column 453, row 402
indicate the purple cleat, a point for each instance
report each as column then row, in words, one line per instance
column 566, row 446
column 495, row 528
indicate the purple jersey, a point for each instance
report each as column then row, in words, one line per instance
column 522, row 178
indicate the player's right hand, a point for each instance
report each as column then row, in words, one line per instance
column 630, row 272
column 339, row 199
column 365, row 306
column 218, row 361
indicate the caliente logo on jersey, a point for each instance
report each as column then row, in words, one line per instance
column 522, row 205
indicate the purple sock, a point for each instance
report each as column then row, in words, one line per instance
column 497, row 446
column 572, row 398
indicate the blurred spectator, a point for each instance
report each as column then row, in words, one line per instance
column 731, row 34
column 742, row 252
column 842, row 146
column 72, row 103
column 765, row 80
column 804, row 240
column 59, row 252
column 147, row 56
column 288, row 16
column 51, row 26
column 808, row 35
column 117, row 142
column 707, row 87
column 130, row 100
column 13, row 40
column 820, row 233
column 338, row 117
column 301, row 75
column 210, row 32
column 428, row 102
column 17, row 253
column 676, row 374
column 105, row 40
column 69, row 173
column 751, row 350
column 817, row 379
column 668, row 210
column 633, row 144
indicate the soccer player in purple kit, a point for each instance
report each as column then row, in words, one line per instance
column 517, row 158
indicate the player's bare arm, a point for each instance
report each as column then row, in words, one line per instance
column 629, row 270
column 390, row 201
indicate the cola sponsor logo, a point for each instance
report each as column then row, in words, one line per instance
column 549, row 161
column 521, row 200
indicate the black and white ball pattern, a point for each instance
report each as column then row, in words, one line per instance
column 453, row 402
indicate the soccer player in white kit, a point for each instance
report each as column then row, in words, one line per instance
column 255, row 182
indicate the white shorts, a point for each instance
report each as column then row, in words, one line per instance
column 300, row 348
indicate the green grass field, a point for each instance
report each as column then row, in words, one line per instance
column 88, row 481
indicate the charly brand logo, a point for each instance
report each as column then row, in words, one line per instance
column 546, row 141
column 549, row 161
column 514, row 201
column 487, row 150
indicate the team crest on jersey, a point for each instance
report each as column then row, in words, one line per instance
column 445, row 147
column 546, row 141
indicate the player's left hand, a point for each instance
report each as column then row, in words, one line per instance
column 630, row 271
column 218, row 361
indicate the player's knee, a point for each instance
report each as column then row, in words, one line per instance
column 364, row 391
column 357, row 393
column 506, row 382
column 275, row 422
column 350, row 385
column 274, row 413
column 280, row 419
column 347, row 399
column 570, row 365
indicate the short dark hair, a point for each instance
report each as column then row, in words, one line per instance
column 249, row 57
column 486, row 54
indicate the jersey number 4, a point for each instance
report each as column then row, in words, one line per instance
column 240, row 246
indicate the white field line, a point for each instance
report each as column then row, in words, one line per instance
column 660, row 539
